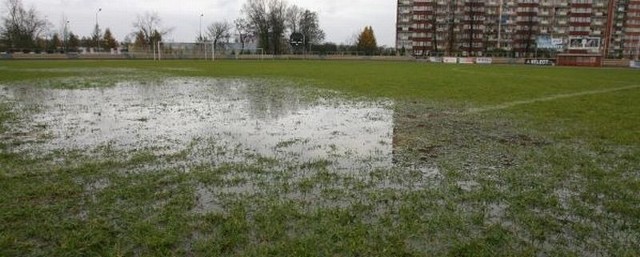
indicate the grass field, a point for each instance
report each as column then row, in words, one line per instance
column 485, row 161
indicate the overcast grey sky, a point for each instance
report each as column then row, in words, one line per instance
column 340, row 19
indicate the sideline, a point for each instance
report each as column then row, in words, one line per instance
column 546, row 99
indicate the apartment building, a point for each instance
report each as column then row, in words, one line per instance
column 403, row 25
column 631, row 30
column 516, row 27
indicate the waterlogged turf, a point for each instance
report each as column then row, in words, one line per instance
column 218, row 121
column 292, row 158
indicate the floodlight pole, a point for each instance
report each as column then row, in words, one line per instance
column 46, row 35
column 66, row 36
column 97, row 30
column 97, row 12
column 201, row 15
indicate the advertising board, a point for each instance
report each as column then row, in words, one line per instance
column 634, row 64
column 548, row 42
column 435, row 59
column 484, row 60
column 541, row 62
column 450, row 60
column 465, row 60
column 584, row 43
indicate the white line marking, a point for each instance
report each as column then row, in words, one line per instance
column 546, row 99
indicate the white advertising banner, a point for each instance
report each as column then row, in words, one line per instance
column 548, row 42
column 634, row 64
column 584, row 43
column 540, row 62
column 435, row 59
column 465, row 60
column 484, row 60
column 450, row 60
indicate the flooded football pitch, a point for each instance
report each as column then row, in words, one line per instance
column 244, row 166
column 218, row 121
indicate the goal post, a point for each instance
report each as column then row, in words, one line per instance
column 179, row 50
column 195, row 51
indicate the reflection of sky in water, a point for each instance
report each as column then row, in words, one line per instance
column 241, row 117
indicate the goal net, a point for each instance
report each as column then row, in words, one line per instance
column 195, row 51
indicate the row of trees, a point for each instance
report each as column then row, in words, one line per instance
column 25, row 29
column 72, row 42
column 21, row 27
column 268, row 22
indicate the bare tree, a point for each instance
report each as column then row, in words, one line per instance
column 149, row 28
column 306, row 22
column 244, row 31
column 294, row 13
column 257, row 16
column 219, row 31
column 277, row 16
column 267, row 18
column 310, row 28
column 353, row 39
column 21, row 27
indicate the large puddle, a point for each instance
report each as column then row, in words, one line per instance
column 215, row 121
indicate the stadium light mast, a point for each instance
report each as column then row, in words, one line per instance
column 66, row 36
column 200, row 37
column 98, row 30
column 46, row 34
column 97, row 12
